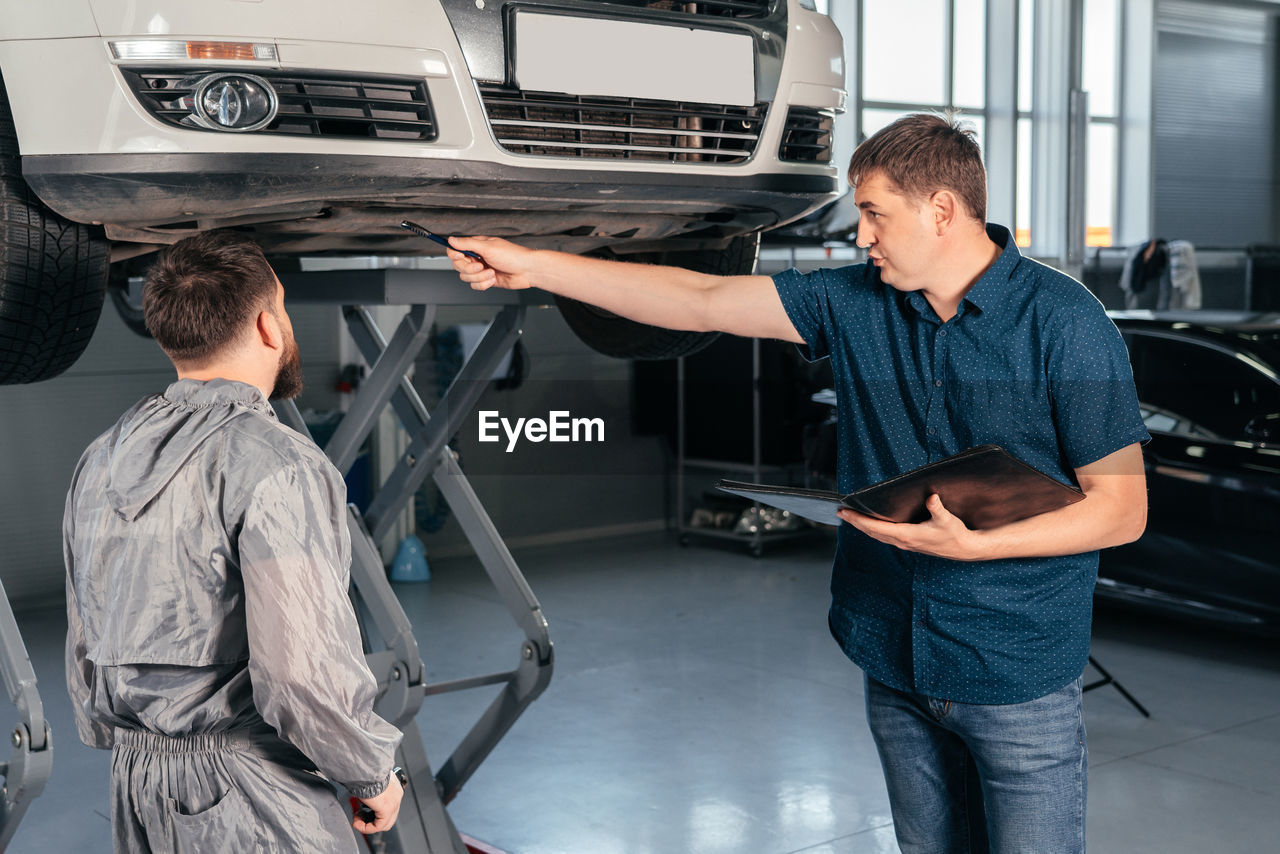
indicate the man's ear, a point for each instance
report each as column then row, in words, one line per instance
column 268, row 330
column 946, row 210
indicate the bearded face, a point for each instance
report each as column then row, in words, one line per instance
column 288, row 383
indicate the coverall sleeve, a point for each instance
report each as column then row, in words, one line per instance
column 80, row 677
column 79, row 670
column 310, row 679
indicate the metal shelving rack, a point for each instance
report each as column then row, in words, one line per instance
column 755, row 469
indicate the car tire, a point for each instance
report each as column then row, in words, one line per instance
column 129, row 311
column 611, row 335
column 53, row 275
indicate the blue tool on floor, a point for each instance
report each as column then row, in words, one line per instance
column 410, row 563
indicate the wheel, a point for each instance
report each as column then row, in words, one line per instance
column 53, row 275
column 118, row 289
column 616, row 336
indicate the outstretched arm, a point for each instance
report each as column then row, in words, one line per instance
column 670, row 297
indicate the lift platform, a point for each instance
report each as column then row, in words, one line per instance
column 424, row 825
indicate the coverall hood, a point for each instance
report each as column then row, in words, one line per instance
column 152, row 442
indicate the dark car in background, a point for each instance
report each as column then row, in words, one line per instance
column 1209, row 387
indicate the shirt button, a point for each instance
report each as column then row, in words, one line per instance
column 933, row 431
column 938, row 383
column 942, row 332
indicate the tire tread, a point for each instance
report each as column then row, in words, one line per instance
column 53, row 275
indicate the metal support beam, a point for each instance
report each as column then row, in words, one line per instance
column 424, row 826
column 533, row 673
column 1058, row 136
column 403, row 692
column 31, row 761
column 287, row 412
column 430, row 438
column 369, row 343
column 1137, row 84
column 1000, row 145
column 387, row 371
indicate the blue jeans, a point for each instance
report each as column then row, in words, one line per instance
column 968, row 779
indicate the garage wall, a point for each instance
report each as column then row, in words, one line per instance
column 45, row 427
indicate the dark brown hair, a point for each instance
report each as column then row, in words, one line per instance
column 203, row 291
column 922, row 154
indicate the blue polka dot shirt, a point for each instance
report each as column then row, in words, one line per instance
column 1031, row 362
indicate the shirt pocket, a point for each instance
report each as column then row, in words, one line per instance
column 1001, row 412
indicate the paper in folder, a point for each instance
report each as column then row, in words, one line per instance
column 985, row 486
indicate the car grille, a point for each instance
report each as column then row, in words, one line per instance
column 713, row 8
column 806, row 137
column 554, row 125
column 310, row 105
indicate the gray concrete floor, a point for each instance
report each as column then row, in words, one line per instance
column 699, row 706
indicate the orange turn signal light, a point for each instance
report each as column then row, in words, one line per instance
column 203, row 51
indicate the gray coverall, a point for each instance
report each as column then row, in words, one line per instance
column 211, row 643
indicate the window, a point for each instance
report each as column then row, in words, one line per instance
column 894, row 75
column 968, row 55
column 1201, row 392
column 935, row 55
column 935, row 64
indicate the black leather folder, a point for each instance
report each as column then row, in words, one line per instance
column 985, row 486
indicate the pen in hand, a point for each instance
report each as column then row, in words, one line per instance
column 436, row 238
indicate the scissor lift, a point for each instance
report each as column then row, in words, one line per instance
column 31, row 761
column 424, row 826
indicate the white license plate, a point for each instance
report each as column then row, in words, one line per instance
column 592, row 56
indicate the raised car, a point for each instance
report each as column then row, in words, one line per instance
column 649, row 129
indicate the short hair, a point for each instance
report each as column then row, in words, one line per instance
column 203, row 291
column 923, row 153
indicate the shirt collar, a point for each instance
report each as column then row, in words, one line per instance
column 219, row 392
column 989, row 288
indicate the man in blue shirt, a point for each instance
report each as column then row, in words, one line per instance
column 972, row 642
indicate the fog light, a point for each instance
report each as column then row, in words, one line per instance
column 234, row 102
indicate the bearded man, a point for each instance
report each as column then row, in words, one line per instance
column 211, row 643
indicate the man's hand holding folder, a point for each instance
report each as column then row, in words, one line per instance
column 942, row 535
column 979, row 504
